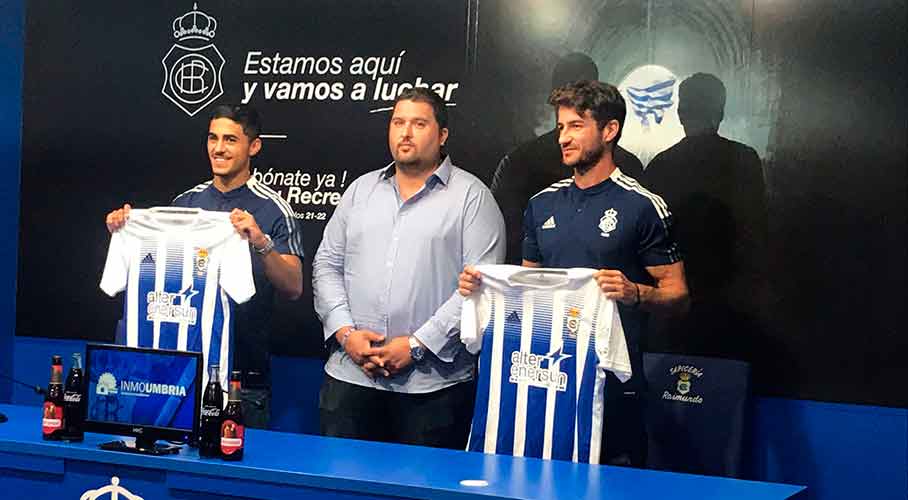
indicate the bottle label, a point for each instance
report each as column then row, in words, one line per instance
column 231, row 437
column 72, row 397
column 53, row 418
column 211, row 411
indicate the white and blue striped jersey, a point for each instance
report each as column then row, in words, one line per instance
column 183, row 269
column 547, row 337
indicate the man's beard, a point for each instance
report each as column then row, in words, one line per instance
column 417, row 166
column 588, row 160
column 413, row 167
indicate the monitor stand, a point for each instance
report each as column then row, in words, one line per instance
column 141, row 445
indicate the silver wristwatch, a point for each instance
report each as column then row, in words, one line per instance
column 417, row 351
column 269, row 246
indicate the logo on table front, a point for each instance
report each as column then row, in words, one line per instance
column 192, row 66
column 113, row 491
column 684, row 384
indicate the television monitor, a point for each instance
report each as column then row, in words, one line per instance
column 150, row 394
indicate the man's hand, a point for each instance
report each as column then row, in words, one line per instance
column 359, row 347
column 616, row 286
column 245, row 224
column 395, row 355
column 117, row 219
column 469, row 281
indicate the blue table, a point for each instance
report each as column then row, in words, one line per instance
column 281, row 465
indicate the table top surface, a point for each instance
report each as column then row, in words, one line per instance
column 395, row 470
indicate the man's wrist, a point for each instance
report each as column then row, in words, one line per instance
column 342, row 335
column 266, row 247
column 417, row 349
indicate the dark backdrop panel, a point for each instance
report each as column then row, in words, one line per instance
column 98, row 131
column 818, row 91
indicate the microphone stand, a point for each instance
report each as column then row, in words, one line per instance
column 38, row 390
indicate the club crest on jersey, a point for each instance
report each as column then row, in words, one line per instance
column 608, row 222
column 201, row 261
column 573, row 321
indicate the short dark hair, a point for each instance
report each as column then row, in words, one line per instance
column 246, row 116
column 602, row 100
column 422, row 94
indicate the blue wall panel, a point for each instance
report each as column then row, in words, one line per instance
column 12, row 20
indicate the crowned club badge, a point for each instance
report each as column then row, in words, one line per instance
column 608, row 222
column 192, row 66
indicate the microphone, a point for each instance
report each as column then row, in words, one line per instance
column 37, row 388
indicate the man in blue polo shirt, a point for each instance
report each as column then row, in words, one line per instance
column 603, row 219
column 262, row 217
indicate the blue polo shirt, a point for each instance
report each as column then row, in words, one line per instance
column 275, row 218
column 616, row 224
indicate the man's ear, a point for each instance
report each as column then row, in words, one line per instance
column 610, row 131
column 255, row 146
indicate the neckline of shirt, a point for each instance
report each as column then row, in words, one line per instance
column 597, row 188
column 235, row 192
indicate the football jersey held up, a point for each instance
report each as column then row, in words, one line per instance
column 183, row 270
column 547, row 337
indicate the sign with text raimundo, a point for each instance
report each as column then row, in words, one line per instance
column 117, row 101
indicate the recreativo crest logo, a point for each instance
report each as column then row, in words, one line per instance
column 192, row 67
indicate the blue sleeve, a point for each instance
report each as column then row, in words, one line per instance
column 657, row 245
column 182, row 200
column 530, row 244
column 286, row 233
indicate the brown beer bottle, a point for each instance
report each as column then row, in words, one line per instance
column 52, row 421
column 232, row 429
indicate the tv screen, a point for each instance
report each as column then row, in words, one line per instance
column 152, row 393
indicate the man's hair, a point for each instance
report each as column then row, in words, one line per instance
column 246, row 116
column 421, row 94
column 602, row 100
